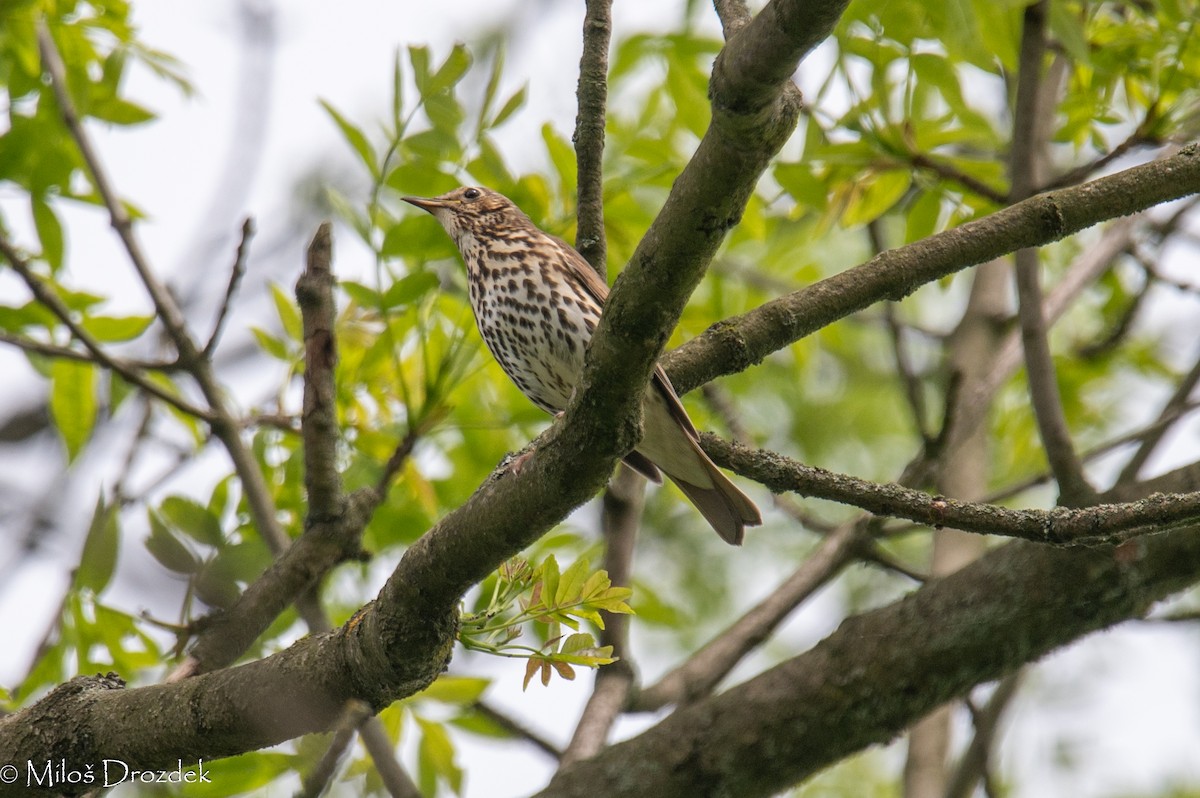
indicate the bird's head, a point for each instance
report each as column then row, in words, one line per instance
column 468, row 211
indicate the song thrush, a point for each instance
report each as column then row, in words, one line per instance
column 537, row 302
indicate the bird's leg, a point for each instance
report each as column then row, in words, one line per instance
column 518, row 462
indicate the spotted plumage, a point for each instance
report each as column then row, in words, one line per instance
column 537, row 303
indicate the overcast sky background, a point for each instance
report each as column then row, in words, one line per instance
column 1128, row 699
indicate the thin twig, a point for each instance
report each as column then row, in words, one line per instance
column 517, row 729
column 1170, row 411
column 236, row 273
column 44, row 349
column 954, row 174
column 974, row 764
column 620, row 517
column 703, row 671
column 221, row 419
column 1039, row 364
column 592, row 94
column 44, row 294
column 168, row 310
column 318, row 781
column 394, row 777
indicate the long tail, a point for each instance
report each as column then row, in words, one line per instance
column 724, row 506
column 671, row 443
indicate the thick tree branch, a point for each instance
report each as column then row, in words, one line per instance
column 881, row 670
column 592, row 95
column 737, row 343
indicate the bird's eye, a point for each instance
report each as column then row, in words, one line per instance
column 472, row 193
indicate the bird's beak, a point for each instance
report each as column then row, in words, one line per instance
column 425, row 203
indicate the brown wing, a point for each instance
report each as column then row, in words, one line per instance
column 591, row 282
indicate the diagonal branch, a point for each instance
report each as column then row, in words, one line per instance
column 46, row 296
column 236, row 273
column 704, row 670
column 882, row 670
column 221, row 419
column 737, row 343
column 1173, row 409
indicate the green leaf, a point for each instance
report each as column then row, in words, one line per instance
column 99, row 557
column 397, row 90
column 436, row 758
column 571, row 584
column 273, row 346
column 409, row 289
column 49, row 230
column 875, row 196
column 456, row 689
column 418, row 56
column 804, row 187
column 451, row 71
column 289, row 314
column 550, row 577
column 364, row 295
column 355, row 137
column 170, row 552
column 193, row 519
column 511, row 105
column 120, row 112
column 562, row 155
column 73, row 404
column 215, row 586
column 922, row 217
column 116, row 328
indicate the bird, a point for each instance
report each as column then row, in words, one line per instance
column 537, row 302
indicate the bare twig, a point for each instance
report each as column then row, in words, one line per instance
column 975, row 760
column 44, row 349
column 395, row 779
column 1080, row 173
column 1171, row 411
column 621, row 514
column 318, row 781
column 952, row 173
column 734, row 15
column 236, row 273
column 1039, row 365
column 517, row 729
column 319, row 427
column 592, row 95
column 168, row 311
column 701, row 673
